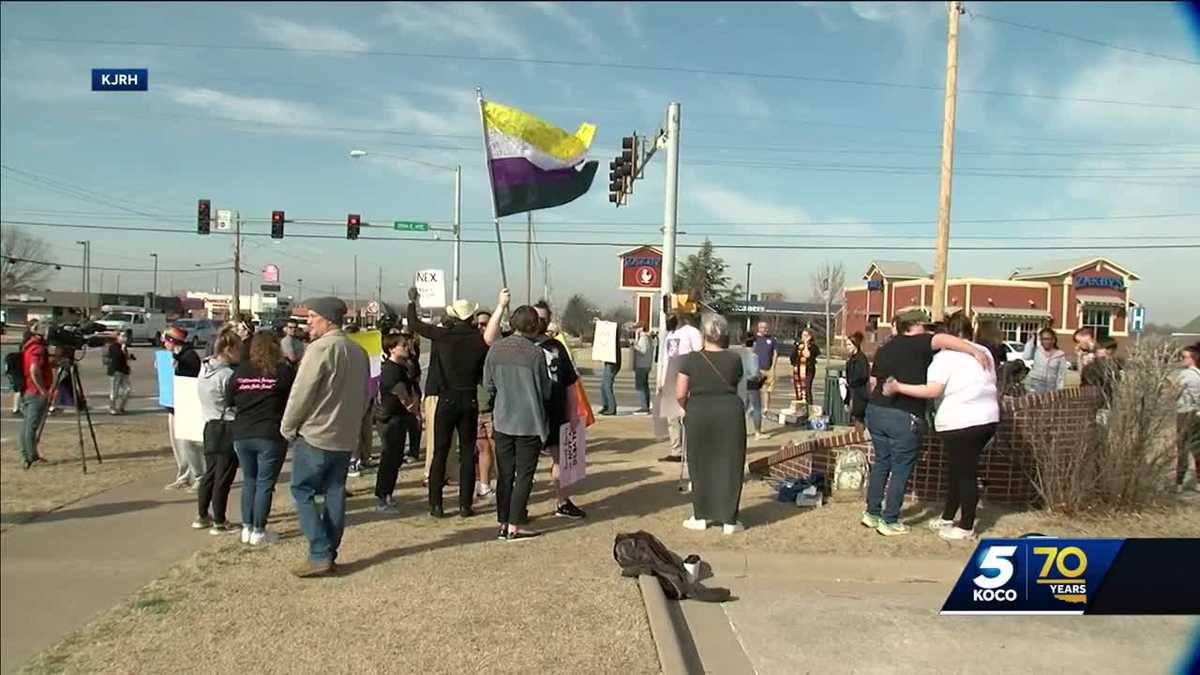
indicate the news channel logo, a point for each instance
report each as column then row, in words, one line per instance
column 1038, row 575
column 120, row 79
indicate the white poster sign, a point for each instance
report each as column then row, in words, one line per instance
column 604, row 345
column 572, row 452
column 189, row 424
column 224, row 219
column 432, row 288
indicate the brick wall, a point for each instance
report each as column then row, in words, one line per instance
column 1004, row 468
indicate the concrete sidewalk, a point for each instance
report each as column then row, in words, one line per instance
column 817, row 614
column 62, row 569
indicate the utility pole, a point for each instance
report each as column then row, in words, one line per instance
column 379, row 288
column 670, row 211
column 827, row 291
column 546, row 279
column 529, row 257
column 356, row 288
column 118, row 289
column 457, row 231
column 300, row 289
column 154, row 294
column 943, row 227
column 748, row 298
column 236, row 304
column 83, row 283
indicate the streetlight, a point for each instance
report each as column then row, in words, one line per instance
column 457, row 226
column 87, row 299
column 154, row 296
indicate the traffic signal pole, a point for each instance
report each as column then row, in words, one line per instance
column 235, row 305
column 457, row 231
column 670, row 212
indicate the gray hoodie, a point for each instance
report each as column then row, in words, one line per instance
column 213, row 381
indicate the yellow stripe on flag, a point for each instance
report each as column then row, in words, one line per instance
column 537, row 132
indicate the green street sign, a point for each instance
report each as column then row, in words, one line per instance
column 410, row 226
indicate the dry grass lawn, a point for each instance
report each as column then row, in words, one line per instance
column 132, row 449
column 423, row 596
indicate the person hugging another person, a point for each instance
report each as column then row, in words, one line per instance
column 259, row 391
column 1187, row 415
column 707, row 389
column 968, row 412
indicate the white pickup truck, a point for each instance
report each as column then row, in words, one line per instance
column 137, row 323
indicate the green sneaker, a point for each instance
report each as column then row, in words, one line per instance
column 870, row 521
column 891, row 529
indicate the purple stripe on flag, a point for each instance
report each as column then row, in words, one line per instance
column 510, row 172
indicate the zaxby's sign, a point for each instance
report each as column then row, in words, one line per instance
column 1100, row 282
column 641, row 269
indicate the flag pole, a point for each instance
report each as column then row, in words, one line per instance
column 487, row 158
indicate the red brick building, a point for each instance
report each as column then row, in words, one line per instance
column 1092, row 292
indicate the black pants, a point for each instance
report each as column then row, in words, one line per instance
column 393, row 432
column 516, row 461
column 220, row 468
column 963, row 447
column 414, row 439
column 456, row 411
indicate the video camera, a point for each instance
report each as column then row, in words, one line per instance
column 73, row 336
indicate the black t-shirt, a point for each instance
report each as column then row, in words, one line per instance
column 260, row 399
column 906, row 358
column 393, row 379
column 563, row 376
column 187, row 363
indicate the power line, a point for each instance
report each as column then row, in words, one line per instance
column 610, row 244
column 1080, row 38
column 114, row 269
column 600, row 65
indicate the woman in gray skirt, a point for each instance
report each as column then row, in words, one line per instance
column 707, row 389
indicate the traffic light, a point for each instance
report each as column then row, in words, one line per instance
column 353, row 223
column 277, row 224
column 203, row 216
column 623, row 171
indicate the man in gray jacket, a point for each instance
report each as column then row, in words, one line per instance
column 322, row 422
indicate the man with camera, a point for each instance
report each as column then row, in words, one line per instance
column 35, row 392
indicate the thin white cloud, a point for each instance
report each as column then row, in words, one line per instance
column 736, row 206
column 250, row 108
column 630, row 22
column 295, row 35
column 473, row 22
column 575, row 26
column 825, row 13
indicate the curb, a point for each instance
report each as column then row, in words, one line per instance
column 662, row 627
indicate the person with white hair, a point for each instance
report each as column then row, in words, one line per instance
column 707, row 390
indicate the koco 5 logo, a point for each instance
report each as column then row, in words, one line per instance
column 995, row 571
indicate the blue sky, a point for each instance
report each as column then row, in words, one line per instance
column 258, row 130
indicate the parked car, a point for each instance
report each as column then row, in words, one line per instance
column 200, row 331
column 135, row 322
column 1014, row 351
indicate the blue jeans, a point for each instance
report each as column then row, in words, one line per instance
column 33, row 407
column 896, row 436
column 608, row 399
column 260, row 459
column 641, row 379
column 755, row 408
column 320, row 472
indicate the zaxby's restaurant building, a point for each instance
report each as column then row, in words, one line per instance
column 1070, row 294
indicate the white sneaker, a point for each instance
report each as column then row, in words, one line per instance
column 1178, row 489
column 761, row 437
column 201, row 524
column 733, row 528
column 246, row 534
column 695, row 524
column 355, row 470
column 264, row 538
column 956, row 534
column 938, row 524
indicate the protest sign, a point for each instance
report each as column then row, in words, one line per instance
column 189, row 423
column 372, row 342
column 604, row 345
column 572, row 452
column 431, row 288
column 164, row 370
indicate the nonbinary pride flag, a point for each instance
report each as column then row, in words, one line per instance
column 532, row 163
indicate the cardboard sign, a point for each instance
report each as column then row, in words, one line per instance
column 572, row 452
column 431, row 288
column 164, row 370
column 189, row 423
column 604, row 345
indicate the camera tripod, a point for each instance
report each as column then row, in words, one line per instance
column 68, row 372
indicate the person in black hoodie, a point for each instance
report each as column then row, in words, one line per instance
column 116, row 361
column 259, row 391
column 395, row 414
column 858, row 381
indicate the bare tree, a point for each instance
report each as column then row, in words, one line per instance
column 828, row 282
column 23, row 258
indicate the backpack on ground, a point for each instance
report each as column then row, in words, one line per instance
column 13, row 370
